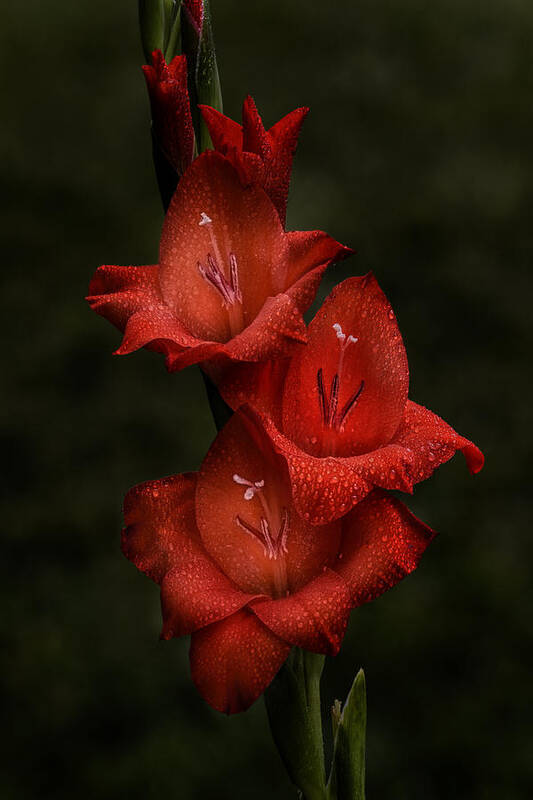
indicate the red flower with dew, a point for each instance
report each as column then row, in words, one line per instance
column 338, row 410
column 171, row 113
column 229, row 283
column 242, row 572
column 261, row 156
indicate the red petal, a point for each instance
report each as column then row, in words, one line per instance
column 376, row 363
column 242, row 449
column 272, row 334
column 311, row 249
column 382, row 543
column 314, row 618
column 244, row 222
column 259, row 384
column 255, row 138
column 262, row 156
column 283, row 138
column 162, row 540
column 160, row 522
column 160, row 330
column 323, row 489
column 118, row 292
column 225, row 134
column 233, row 661
column 227, row 138
column 196, row 593
column 428, row 442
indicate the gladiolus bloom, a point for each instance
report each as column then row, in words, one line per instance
column 230, row 282
column 264, row 157
column 242, row 572
column 338, row 410
column 171, row 113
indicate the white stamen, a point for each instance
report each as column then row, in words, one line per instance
column 251, row 489
column 205, row 219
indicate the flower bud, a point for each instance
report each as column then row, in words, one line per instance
column 199, row 47
column 347, row 781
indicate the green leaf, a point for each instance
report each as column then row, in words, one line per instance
column 173, row 23
column 347, row 780
column 336, row 711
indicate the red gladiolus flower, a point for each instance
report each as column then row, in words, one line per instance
column 171, row 112
column 338, row 409
column 264, row 157
column 230, row 283
column 243, row 573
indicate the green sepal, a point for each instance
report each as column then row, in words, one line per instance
column 152, row 21
column 204, row 81
column 160, row 23
column 347, row 779
column 173, row 30
column 293, row 707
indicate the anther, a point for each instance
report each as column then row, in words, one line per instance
column 350, row 405
column 214, row 276
column 333, row 400
column 322, row 399
column 274, row 545
column 234, row 276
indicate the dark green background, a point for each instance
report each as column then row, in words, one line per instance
column 417, row 153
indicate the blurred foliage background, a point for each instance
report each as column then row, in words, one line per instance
column 417, row 153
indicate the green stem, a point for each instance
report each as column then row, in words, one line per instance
column 293, row 708
column 219, row 409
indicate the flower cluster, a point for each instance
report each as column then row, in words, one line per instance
column 289, row 524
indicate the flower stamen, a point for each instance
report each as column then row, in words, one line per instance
column 274, row 544
column 213, row 273
column 329, row 406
